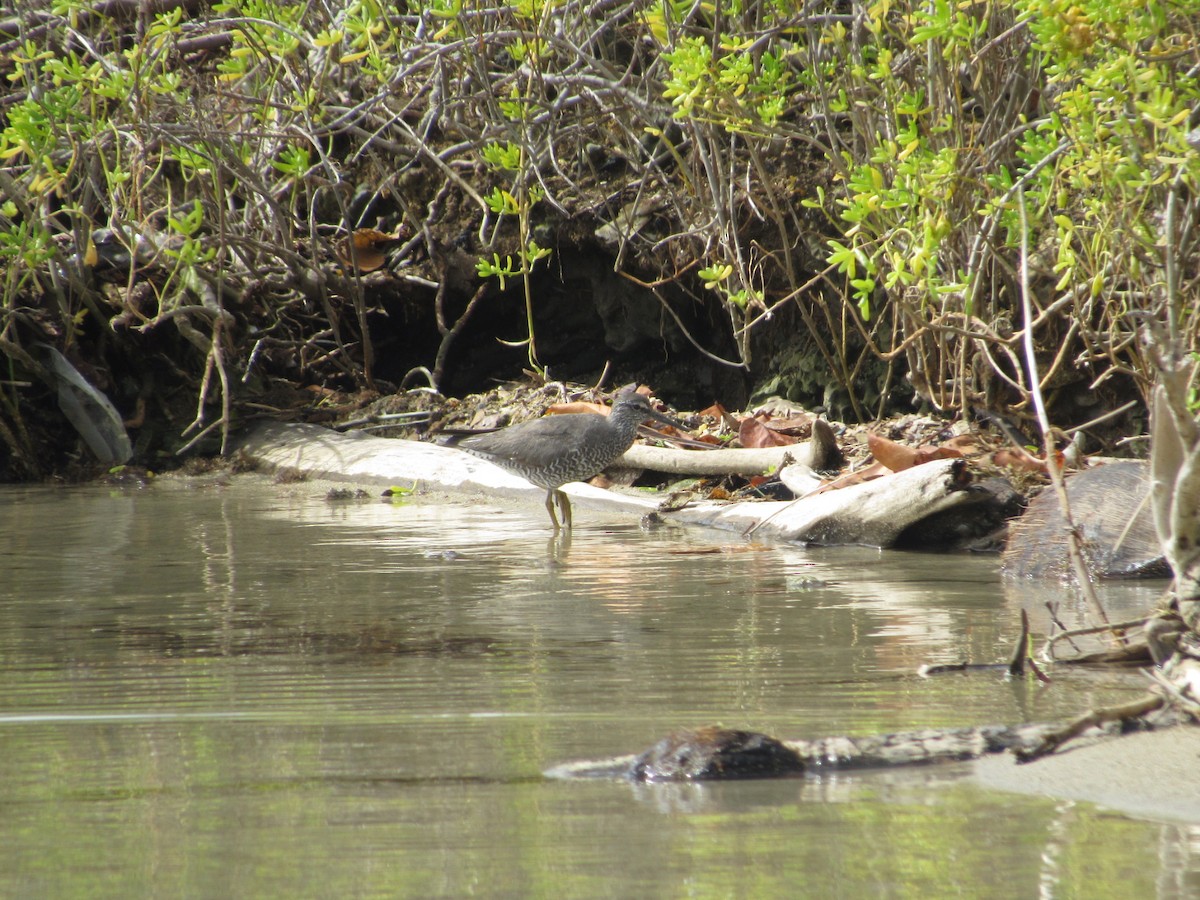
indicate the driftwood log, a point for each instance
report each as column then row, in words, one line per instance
column 874, row 513
column 714, row 754
column 816, row 453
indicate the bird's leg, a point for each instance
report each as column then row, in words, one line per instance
column 564, row 506
column 550, row 508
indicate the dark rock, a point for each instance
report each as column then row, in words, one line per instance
column 1110, row 507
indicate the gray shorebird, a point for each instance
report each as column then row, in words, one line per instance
column 554, row 450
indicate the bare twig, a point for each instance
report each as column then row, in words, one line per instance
column 1053, row 461
column 1075, row 728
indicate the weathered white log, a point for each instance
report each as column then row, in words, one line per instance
column 814, row 454
column 710, row 462
column 872, row 514
column 799, row 479
column 364, row 459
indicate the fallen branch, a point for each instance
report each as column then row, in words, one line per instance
column 1119, row 627
column 1052, row 740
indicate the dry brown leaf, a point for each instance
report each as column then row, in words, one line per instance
column 752, row 434
column 795, row 426
column 929, row 453
column 899, row 457
column 583, row 406
column 896, row 457
column 870, row 473
column 576, row 406
column 366, row 249
column 967, row 444
column 1021, row 459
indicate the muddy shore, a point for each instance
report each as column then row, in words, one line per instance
column 1150, row 775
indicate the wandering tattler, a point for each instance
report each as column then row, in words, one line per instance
column 556, row 449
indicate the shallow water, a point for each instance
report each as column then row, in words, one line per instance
column 215, row 690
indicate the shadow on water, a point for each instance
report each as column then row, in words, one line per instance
column 244, row 689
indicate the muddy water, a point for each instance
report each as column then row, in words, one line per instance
column 246, row 690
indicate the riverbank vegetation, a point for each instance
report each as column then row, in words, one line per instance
column 210, row 210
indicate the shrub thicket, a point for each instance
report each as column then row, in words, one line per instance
column 177, row 177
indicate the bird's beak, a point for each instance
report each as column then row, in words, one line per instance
column 665, row 419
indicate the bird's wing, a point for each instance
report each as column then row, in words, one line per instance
column 540, row 442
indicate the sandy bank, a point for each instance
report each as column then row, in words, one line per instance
column 1154, row 774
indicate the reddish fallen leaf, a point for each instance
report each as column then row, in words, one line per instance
column 1022, row 460
column 896, row 457
column 929, row 454
column 718, row 412
column 366, row 249
column 796, row 426
column 754, row 435
column 870, row 473
column 966, row 443
column 576, row 406
column 583, row 406
column 899, row 457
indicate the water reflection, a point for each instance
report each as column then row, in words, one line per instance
column 249, row 690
